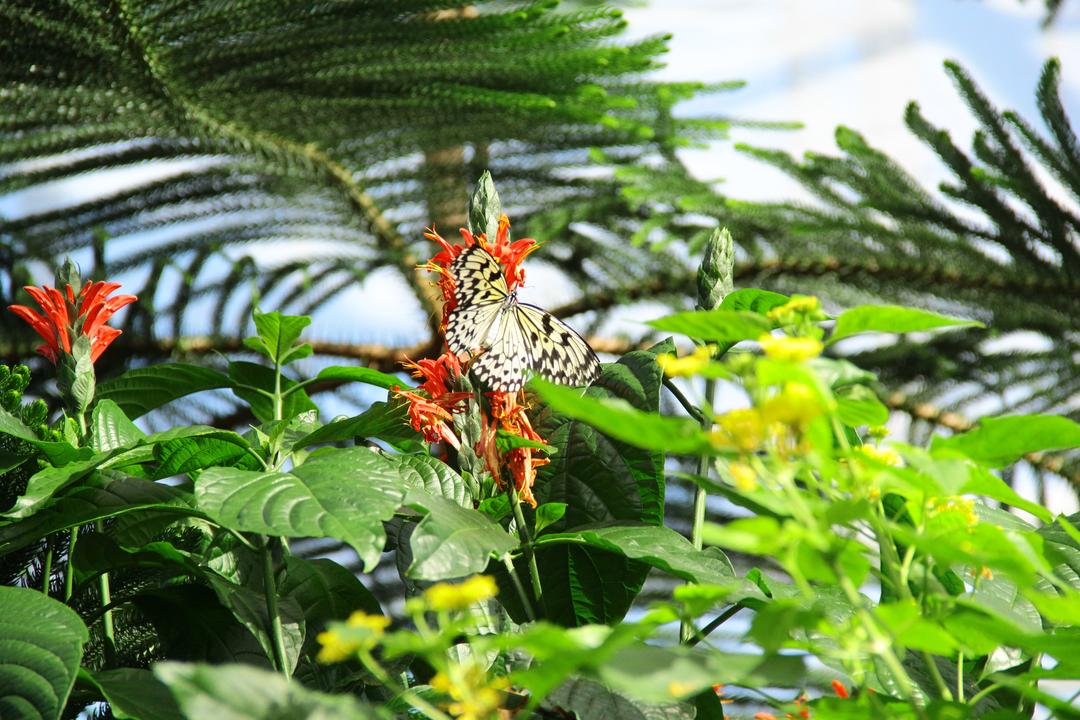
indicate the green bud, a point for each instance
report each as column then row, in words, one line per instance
column 715, row 279
column 9, row 400
column 5, row 373
column 36, row 413
column 485, row 207
column 69, row 274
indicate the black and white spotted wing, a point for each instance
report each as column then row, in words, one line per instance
column 512, row 338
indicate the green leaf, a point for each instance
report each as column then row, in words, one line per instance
column 720, row 325
column 983, row 482
column 602, row 480
column 905, row 622
column 660, row 547
column 507, row 441
column 248, row 379
column 133, row 694
column 369, row 376
column 344, row 494
column 192, row 623
column 1004, row 440
column 590, row 700
column 324, row 591
column 140, row 390
column 96, row 499
column 187, row 455
column 382, row 420
column 58, row 453
column 753, row 300
column 278, row 335
column 41, row 646
column 620, row 420
column 452, row 541
column 859, row 405
column 241, row 692
column 432, row 475
column 548, row 514
column 891, row 319
column 111, row 429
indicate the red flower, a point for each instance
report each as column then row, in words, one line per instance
column 429, row 415
column 438, row 374
column 840, row 690
column 67, row 317
column 509, row 415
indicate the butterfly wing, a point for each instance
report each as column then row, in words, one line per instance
column 556, row 352
column 505, row 363
column 481, row 292
column 478, row 278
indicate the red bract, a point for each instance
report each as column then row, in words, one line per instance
column 67, row 317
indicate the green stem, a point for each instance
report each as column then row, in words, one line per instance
column 69, row 574
column 522, row 595
column 686, row 627
column 408, row 694
column 716, row 622
column 46, row 566
column 526, row 544
column 939, row 682
column 270, row 588
column 989, row 689
column 107, row 617
column 960, row 677
column 688, row 406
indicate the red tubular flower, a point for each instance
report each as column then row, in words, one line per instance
column 840, row 690
column 509, row 416
column 429, row 415
column 67, row 317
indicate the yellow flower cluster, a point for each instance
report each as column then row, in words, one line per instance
column 954, row 505
column 360, row 632
column 744, row 476
column 742, row 429
column 473, row 696
column 790, row 349
column 674, row 366
column 797, row 305
column 888, row 456
column 795, row 405
column 447, row 596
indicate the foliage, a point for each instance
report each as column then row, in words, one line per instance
column 184, row 543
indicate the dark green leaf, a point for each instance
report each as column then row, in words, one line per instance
column 1002, row 441
column 891, row 319
column 133, row 694
column 58, row 453
column 324, row 591
column 753, row 300
column 433, row 475
column 591, row 700
column 345, row 494
column 41, row 646
column 382, row 420
column 339, row 373
column 548, row 514
column 140, row 390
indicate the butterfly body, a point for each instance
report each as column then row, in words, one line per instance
column 511, row 337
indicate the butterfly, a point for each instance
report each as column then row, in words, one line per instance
column 513, row 337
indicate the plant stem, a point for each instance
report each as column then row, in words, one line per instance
column 687, row 630
column 69, row 575
column 107, row 617
column 46, row 566
column 935, row 675
column 688, row 406
column 526, row 544
column 270, row 588
column 989, row 689
column 960, row 677
column 413, row 698
column 716, row 622
column 522, row 595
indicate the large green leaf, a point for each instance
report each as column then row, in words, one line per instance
column 58, row 453
column 892, row 319
column 324, row 591
column 452, row 541
column 96, row 499
column 111, row 429
column 601, row 479
column 240, row 692
column 660, row 547
column 369, row 376
column 382, row 420
column 720, row 325
column 590, row 700
column 1002, row 441
column 344, row 494
column 133, row 694
column 41, row 645
column 433, row 475
column 140, row 390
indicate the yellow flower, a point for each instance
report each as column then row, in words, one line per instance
column 744, row 476
column 444, row 596
column 375, row 623
column 791, row 349
column 795, row 405
column 953, row 506
column 741, row 429
column 888, row 456
column 797, row 305
column 335, row 648
column 473, row 695
column 674, row 366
